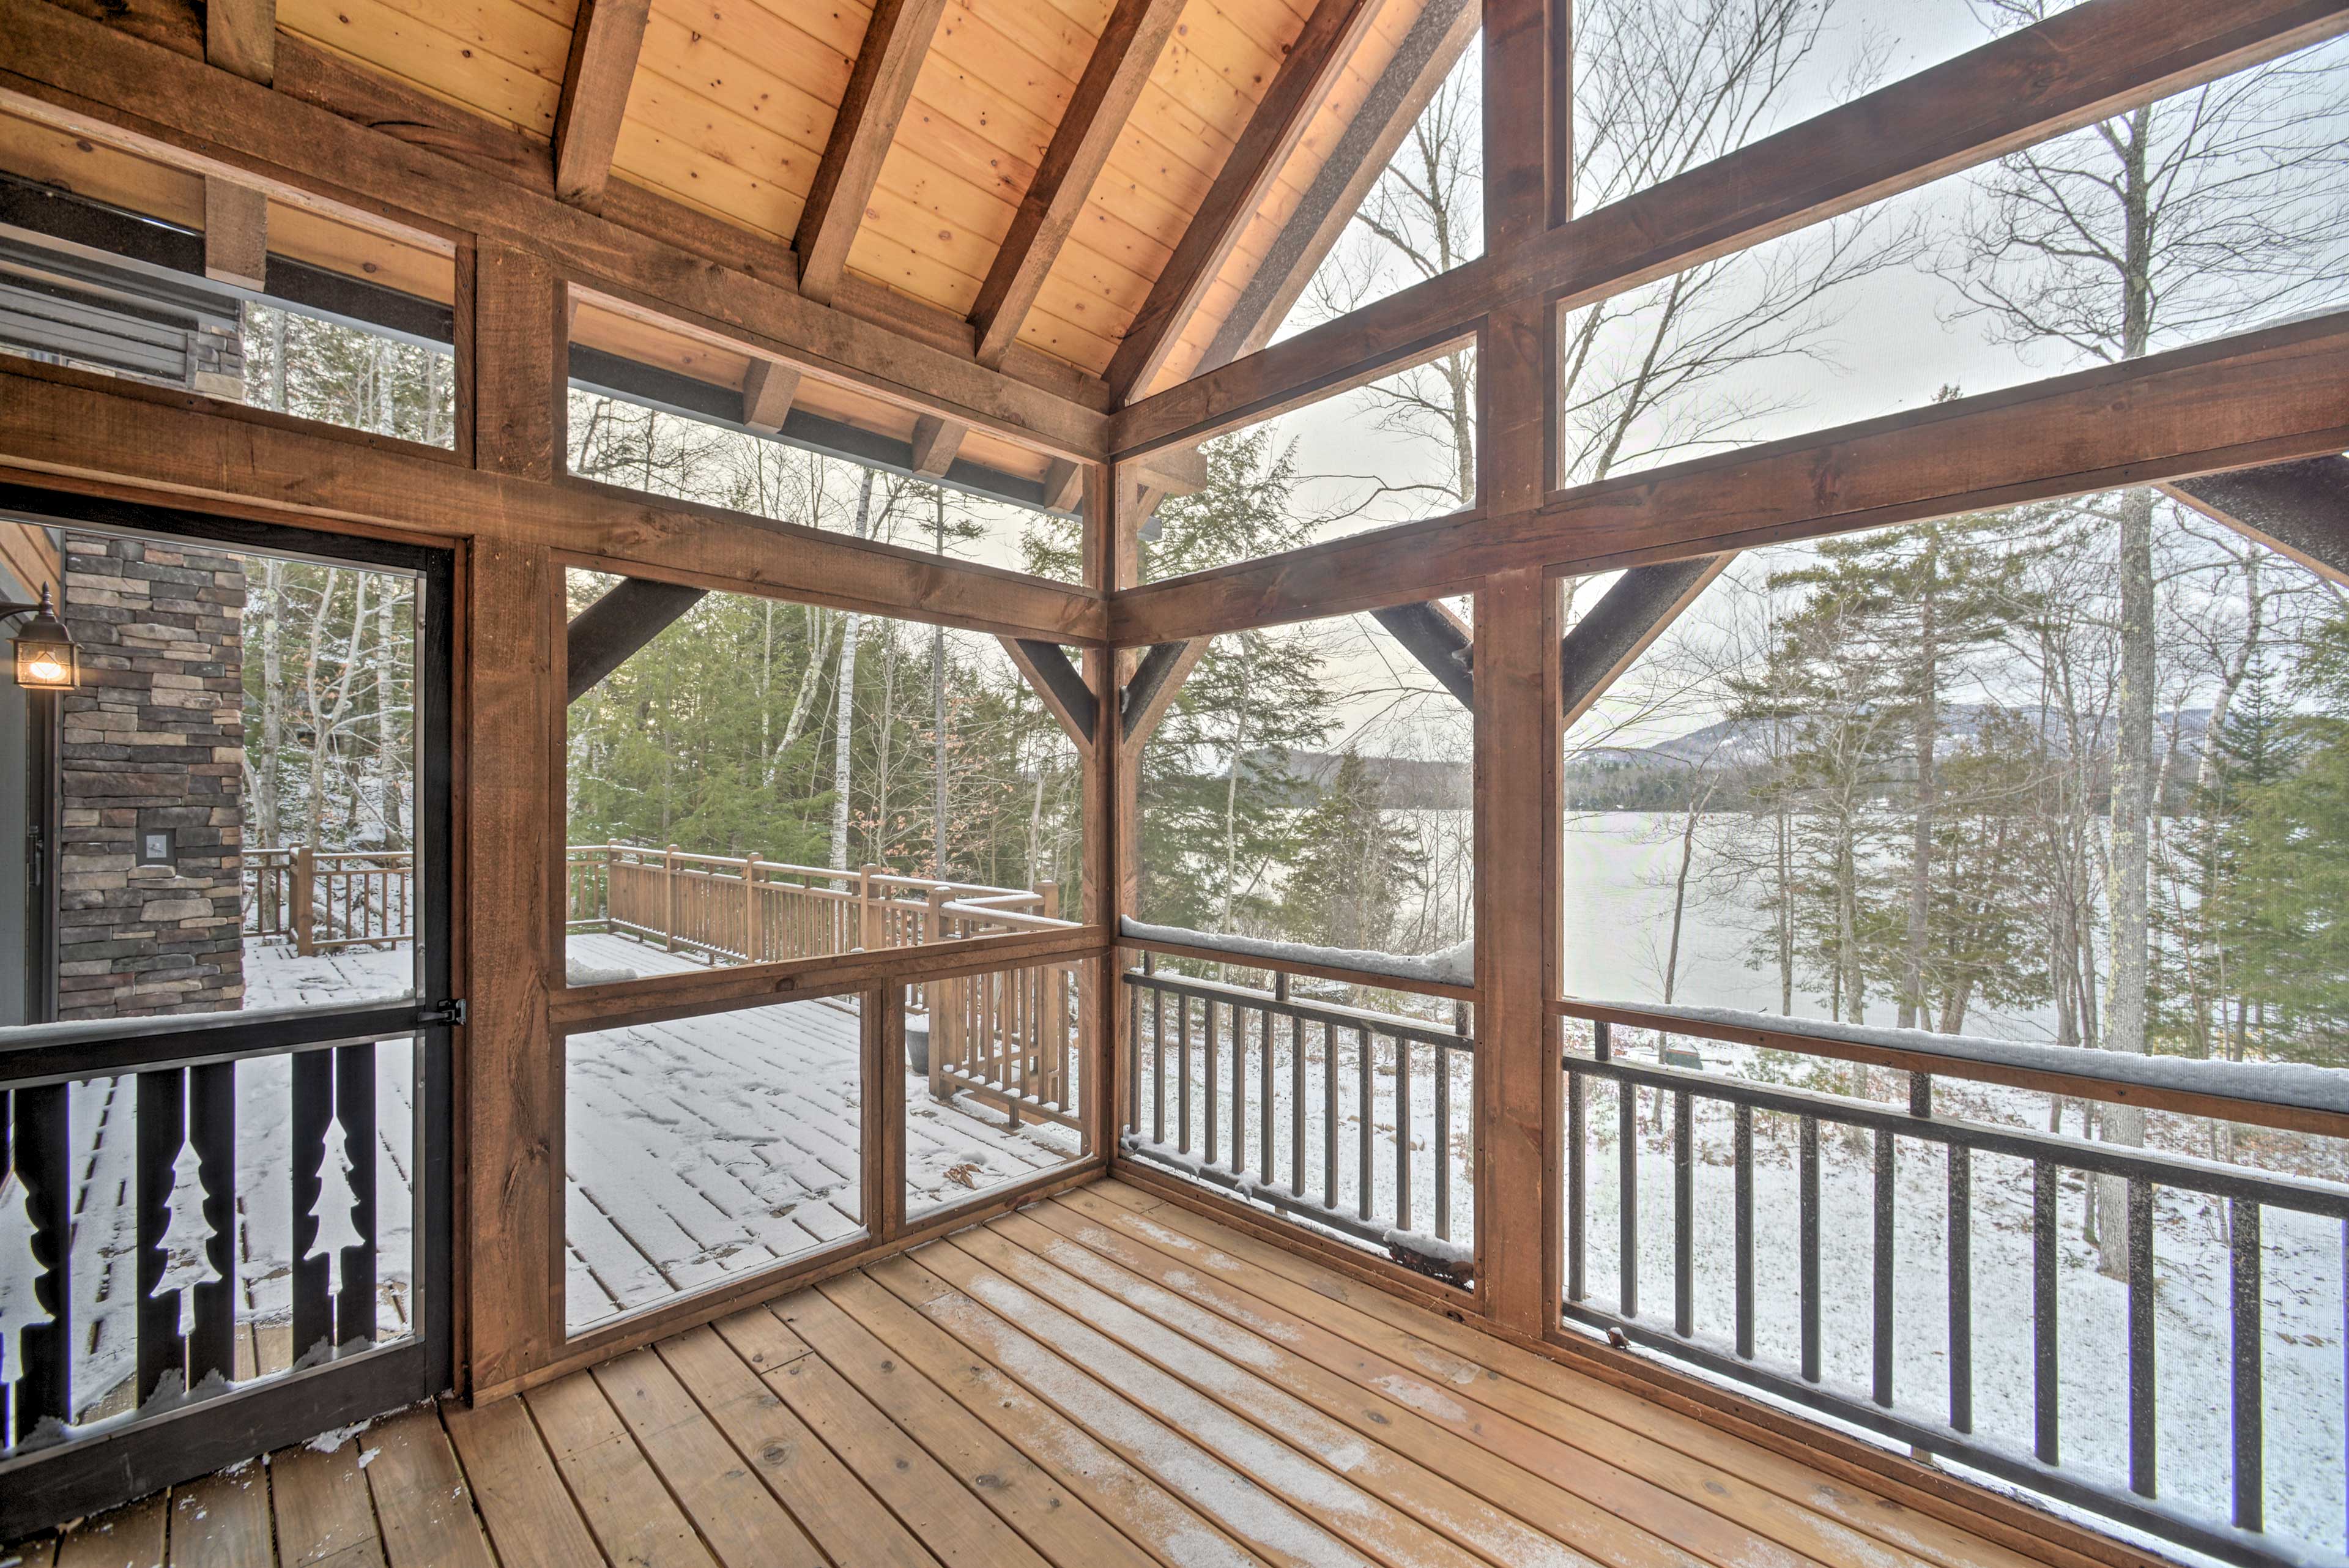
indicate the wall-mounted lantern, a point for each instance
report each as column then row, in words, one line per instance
column 46, row 657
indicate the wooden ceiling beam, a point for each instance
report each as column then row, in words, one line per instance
column 605, row 42
column 241, row 36
column 879, row 88
column 2263, row 397
column 2296, row 509
column 1320, row 52
column 91, row 79
column 1436, row 638
column 1629, row 617
column 617, row 625
column 2077, row 66
column 1151, row 690
column 1119, row 68
column 1059, row 686
column 116, row 436
column 936, row 443
column 768, row 388
column 236, row 233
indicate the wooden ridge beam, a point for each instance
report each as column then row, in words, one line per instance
column 2260, row 398
column 2076, row 67
column 605, row 42
column 113, row 437
column 1060, row 686
column 1114, row 76
column 90, row 80
column 879, row 88
column 1312, row 66
column 1435, row 636
column 2296, row 509
column 612, row 630
column 1629, row 617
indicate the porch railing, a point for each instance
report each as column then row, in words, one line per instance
column 1360, row 1121
column 1010, row 1038
column 1938, row 1421
column 324, row 900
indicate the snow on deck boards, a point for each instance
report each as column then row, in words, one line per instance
column 706, row 1148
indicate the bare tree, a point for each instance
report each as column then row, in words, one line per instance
column 2199, row 214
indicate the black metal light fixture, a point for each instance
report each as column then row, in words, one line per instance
column 45, row 657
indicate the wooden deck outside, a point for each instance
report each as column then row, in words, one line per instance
column 1102, row 1379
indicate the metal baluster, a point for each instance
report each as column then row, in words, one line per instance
column 1683, row 1215
column 1208, row 1082
column 1443, row 1142
column 1297, row 1105
column 1576, row 1185
column 1626, row 1196
column 355, row 1108
column 1366, row 1113
column 1809, row 1202
column 2142, row 1435
column 1742, row 1116
column 2249, row 1432
column 1157, row 1064
column 2042, row 1312
column 1962, row 1288
column 1329, row 1113
column 1402, row 1130
column 1239, row 1089
column 1884, row 1195
column 1182, row 1068
column 1133, row 1055
column 313, row 1091
column 163, row 1129
column 1264, row 1096
column 211, row 1132
column 42, row 1142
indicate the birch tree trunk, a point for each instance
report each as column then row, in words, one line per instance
column 851, row 631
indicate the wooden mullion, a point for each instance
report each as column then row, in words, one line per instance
column 2263, row 397
column 2077, row 66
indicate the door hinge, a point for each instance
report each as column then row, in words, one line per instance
column 449, row 1014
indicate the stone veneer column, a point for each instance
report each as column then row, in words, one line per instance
column 153, row 740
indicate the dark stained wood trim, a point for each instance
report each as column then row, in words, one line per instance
column 2076, row 67
column 879, row 88
column 1435, row 636
column 2298, row 509
column 1320, row 52
column 1152, row 689
column 609, row 632
column 1114, row 76
column 91, row 79
column 124, row 437
column 605, row 42
column 1058, row 685
column 2264, row 397
column 1629, row 617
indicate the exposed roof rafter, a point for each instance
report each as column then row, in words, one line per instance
column 879, row 88
column 1440, row 641
column 1089, row 130
column 607, row 633
column 1631, row 614
column 2297, row 509
column 1305, row 78
column 1060, row 685
column 605, row 42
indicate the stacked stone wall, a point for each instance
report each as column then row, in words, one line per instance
column 151, row 741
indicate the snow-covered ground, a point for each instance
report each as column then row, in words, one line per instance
column 702, row 1148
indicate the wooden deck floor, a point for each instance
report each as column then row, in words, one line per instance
column 1099, row 1379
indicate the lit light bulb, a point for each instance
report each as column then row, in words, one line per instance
column 46, row 668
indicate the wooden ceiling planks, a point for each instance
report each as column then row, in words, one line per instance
column 503, row 59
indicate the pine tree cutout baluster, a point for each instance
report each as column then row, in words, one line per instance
column 20, row 1304
column 187, row 1241
column 335, row 1198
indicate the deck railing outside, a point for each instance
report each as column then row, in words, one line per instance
column 350, row 897
column 1939, row 1420
column 1355, row 1121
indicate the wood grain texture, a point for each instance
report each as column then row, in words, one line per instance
column 2077, row 66
column 422, row 1506
column 222, row 1521
column 520, row 1494
column 323, row 1510
column 768, row 389
column 1090, row 129
column 896, row 40
column 2264, row 397
column 605, row 42
column 1319, row 52
column 241, row 36
column 236, row 233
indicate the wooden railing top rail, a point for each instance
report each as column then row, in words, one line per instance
column 2288, row 1096
column 967, row 892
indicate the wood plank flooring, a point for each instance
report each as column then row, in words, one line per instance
column 1099, row 1379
